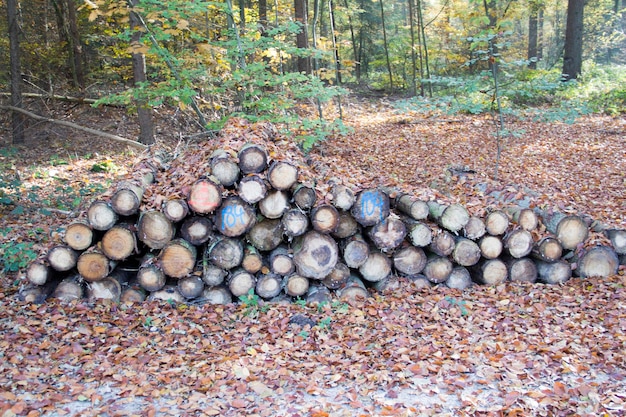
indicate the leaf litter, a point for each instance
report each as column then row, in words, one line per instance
column 515, row 349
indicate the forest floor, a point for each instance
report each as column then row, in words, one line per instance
column 515, row 349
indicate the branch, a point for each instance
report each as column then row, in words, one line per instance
column 116, row 138
column 55, row 97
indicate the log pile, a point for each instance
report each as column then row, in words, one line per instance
column 243, row 214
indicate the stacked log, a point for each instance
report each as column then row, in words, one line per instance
column 242, row 215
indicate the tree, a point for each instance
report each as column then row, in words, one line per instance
column 573, row 51
column 144, row 112
column 533, row 32
column 16, row 71
column 304, row 63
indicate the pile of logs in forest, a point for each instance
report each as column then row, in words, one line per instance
column 241, row 215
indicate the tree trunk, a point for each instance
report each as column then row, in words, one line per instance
column 302, row 42
column 217, row 295
column 234, row 217
column 93, row 265
column 353, row 289
column 150, row 276
column 107, row 288
column 295, row 223
column 438, row 269
column 296, row 285
column 475, row 228
column 225, row 253
column 490, row 246
column 377, row 267
column 274, row 205
column 355, row 251
column 526, row 218
column 281, row 261
column 266, row 235
column 70, row 289
column 371, row 206
column 196, row 230
column 315, row 255
column 282, row 175
column 460, row 278
column 144, row 112
column 386, row 45
column 573, row 51
column 62, row 258
column 38, row 273
column 343, row 198
column 205, row 196
column 269, row 285
column 490, row 272
column 304, row 197
column 127, row 199
column 518, row 243
column 599, row 261
column 101, row 216
column 388, row 234
column 497, row 223
column 224, row 168
column 119, row 242
column 212, row 275
column 409, row 260
column 522, row 270
column 466, row 252
column 16, row 71
column 79, row 235
column 442, row 244
column 75, row 46
column 337, row 277
column 570, row 230
column 420, row 234
column 414, row 208
column 240, row 282
column 154, row 229
column 453, row 217
column 347, row 226
column 252, row 260
column 532, row 35
column 252, row 189
column 175, row 210
column 553, row 272
column 548, row 249
column 178, row 258
column 325, row 218
column 618, row 239
column 190, row 286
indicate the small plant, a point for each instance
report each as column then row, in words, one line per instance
column 15, row 256
column 324, row 324
column 252, row 304
column 148, row 322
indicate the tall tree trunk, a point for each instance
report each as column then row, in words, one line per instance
column 302, row 42
column 263, row 16
column 573, row 52
column 16, row 71
column 75, row 45
column 532, row 36
column 144, row 112
column 424, row 47
column 540, row 34
column 331, row 13
column 357, row 64
column 242, row 15
column 382, row 17
column 413, row 56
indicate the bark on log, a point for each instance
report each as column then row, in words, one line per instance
column 569, row 230
column 346, row 226
column 548, row 249
column 252, row 189
column 318, row 295
column 518, row 243
column 266, row 235
column 101, row 216
column 490, row 246
column 119, row 242
column 205, row 195
column 437, row 269
column 325, row 218
column 618, row 240
column 282, row 175
column 371, row 206
column 337, row 277
column 409, row 260
column 522, row 270
column 420, row 234
column 154, row 229
column 274, row 205
column 304, row 197
column 355, row 251
column 178, row 258
column 388, row 234
column 296, row 285
column 389, row 284
column 269, row 285
column 196, row 230
column 475, row 228
column 466, row 252
column 252, row 159
column 599, row 261
column 343, row 198
column 106, row 289
column 190, row 286
column 442, row 243
column 225, row 252
column 240, row 282
column 416, row 209
column 377, row 267
column 490, row 272
column 252, row 259
column 315, row 255
column 133, row 294
column 353, row 290
column 69, row 289
column 94, row 265
column 295, row 223
column 453, row 217
column 150, row 276
column 224, row 168
column 234, row 217
column 36, row 294
column 78, row 235
column 460, row 278
column 497, row 223
column 281, row 261
column 553, row 272
column 217, row 295
column 175, row 210
column 127, row 199
column 212, row 275
column 38, row 273
column 526, row 218
column 169, row 294
column 420, row 281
